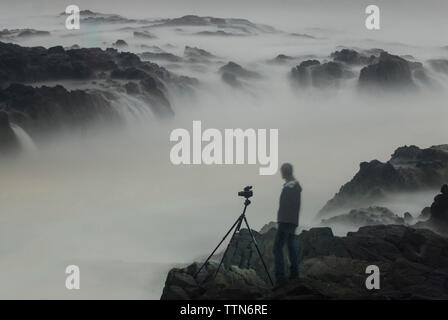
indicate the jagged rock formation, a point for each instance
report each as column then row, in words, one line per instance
column 413, row 265
column 120, row 44
column 108, row 70
column 193, row 54
column 388, row 72
column 243, row 26
column 409, row 169
column 16, row 34
column 144, row 35
column 163, row 56
column 353, row 57
column 232, row 73
column 88, row 16
column 381, row 70
column 365, row 217
column 313, row 73
column 50, row 108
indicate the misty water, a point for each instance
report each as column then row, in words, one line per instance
column 110, row 201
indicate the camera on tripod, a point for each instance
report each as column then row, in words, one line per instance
column 246, row 193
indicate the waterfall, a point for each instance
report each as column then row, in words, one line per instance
column 26, row 143
column 132, row 109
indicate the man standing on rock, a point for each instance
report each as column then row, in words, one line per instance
column 288, row 220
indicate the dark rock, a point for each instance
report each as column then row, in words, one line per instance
column 353, row 57
column 197, row 54
column 409, row 169
column 120, row 44
column 389, row 72
column 365, row 217
column 144, row 35
column 238, row 71
column 165, row 56
column 231, row 79
column 88, row 16
column 425, row 214
column 242, row 25
column 22, row 33
column 219, row 33
column 313, row 73
column 439, row 65
column 302, row 35
column 132, row 88
column 268, row 227
column 439, row 208
column 413, row 264
column 282, row 59
column 51, row 108
column 128, row 74
column 8, row 139
column 408, row 218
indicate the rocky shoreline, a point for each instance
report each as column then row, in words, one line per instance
column 413, row 265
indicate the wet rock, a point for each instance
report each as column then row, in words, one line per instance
column 439, row 65
column 144, row 35
column 132, row 88
column 17, row 34
column 389, row 72
column 164, row 56
column 128, row 74
column 425, row 214
column 88, row 16
column 282, row 59
column 50, row 108
column 194, row 54
column 241, row 25
column 408, row 218
column 413, row 264
column 409, row 169
column 120, row 44
column 231, row 80
column 366, row 217
column 219, row 33
column 352, row 57
column 302, row 35
column 238, row 71
column 313, row 73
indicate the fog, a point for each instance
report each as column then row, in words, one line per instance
column 110, row 201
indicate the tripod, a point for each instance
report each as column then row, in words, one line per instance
column 237, row 224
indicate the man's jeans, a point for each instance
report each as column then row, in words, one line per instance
column 287, row 236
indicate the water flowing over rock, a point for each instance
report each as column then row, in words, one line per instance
column 37, row 108
column 413, row 264
column 409, row 169
column 8, row 139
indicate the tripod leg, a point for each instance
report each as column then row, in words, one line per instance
column 211, row 255
column 240, row 220
column 258, row 250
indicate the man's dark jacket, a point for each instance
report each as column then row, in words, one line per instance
column 288, row 211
